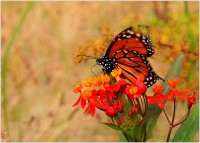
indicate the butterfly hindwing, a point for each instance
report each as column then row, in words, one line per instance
column 135, row 66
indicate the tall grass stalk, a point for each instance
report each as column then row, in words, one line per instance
column 5, row 63
column 190, row 37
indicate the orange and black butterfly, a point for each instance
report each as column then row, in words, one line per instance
column 129, row 51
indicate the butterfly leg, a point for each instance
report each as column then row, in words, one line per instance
column 104, row 70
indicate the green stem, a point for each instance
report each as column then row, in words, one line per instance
column 4, row 65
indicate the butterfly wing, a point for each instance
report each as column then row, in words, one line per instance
column 135, row 66
column 130, row 39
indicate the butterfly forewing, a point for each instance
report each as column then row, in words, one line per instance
column 130, row 39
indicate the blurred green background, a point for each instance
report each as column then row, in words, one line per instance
column 40, row 40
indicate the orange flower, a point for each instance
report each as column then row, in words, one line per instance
column 175, row 93
column 116, row 73
column 86, row 94
column 158, row 98
column 97, row 81
column 157, row 89
column 133, row 90
column 191, row 100
column 88, row 82
column 77, row 88
column 173, row 82
column 105, row 78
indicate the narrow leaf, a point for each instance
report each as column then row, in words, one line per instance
column 139, row 132
column 173, row 72
column 122, row 137
column 189, row 128
column 119, row 129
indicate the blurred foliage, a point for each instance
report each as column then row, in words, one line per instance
column 94, row 47
column 41, row 73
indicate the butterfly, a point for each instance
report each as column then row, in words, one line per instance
column 129, row 51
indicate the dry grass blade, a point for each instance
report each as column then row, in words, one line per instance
column 5, row 62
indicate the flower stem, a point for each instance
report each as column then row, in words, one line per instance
column 169, row 133
column 172, row 122
column 174, row 111
column 181, row 121
column 166, row 116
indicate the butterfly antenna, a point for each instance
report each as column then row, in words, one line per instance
column 88, row 57
column 161, row 79
column 92, row 70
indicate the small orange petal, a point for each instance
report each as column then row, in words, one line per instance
column 88, row 82
column 116, row 73
column 86, row 94
column 133, row 90
column 77, row 88
column 97, row 81
column 105, row 78
column 173, row 82
column 157, row 88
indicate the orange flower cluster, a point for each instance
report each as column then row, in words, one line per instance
column 98, row 92
column 173, row 94
column 89, row 95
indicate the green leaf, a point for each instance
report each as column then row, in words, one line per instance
column 122, row 137
column 139, row 132
column 113, row 126
column 174, row 72
column 188, row 129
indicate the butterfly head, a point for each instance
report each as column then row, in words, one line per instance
column 107, row 63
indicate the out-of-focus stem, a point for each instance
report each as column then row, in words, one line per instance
column 5, row 63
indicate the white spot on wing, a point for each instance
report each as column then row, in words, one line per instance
column 125, row 51
column 138, row 35
column 131, row 32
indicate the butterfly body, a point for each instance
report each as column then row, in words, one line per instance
column 107, row 63
column 129, row 51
